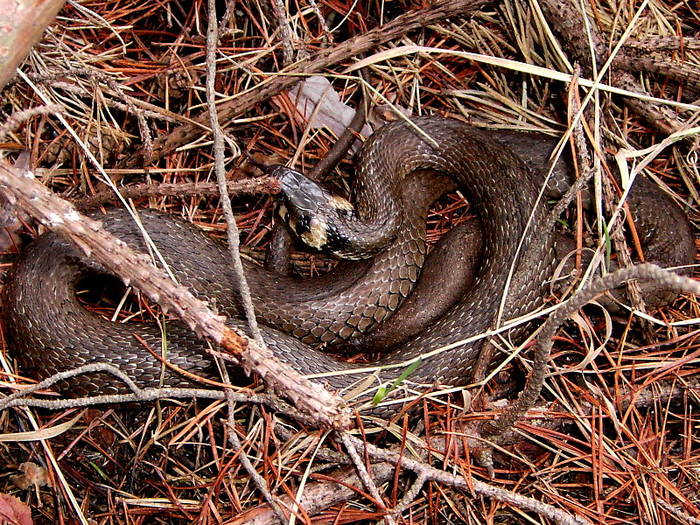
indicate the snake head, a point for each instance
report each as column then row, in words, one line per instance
column 317, row 216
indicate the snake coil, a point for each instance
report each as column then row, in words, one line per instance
column 50, row 331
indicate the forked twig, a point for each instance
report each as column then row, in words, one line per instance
column 540, row 354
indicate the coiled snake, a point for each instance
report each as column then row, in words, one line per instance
column 50, row 331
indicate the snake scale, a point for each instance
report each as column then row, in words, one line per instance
column 50, row 331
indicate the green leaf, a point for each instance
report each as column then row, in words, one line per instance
column 379, row 396
column 99, row 471
column 382, row 392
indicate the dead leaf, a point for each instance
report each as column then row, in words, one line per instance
column 32, row 475
column 321, row 106
column 14, row 511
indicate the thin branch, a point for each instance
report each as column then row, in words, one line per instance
column 220, row 170
column 263, row 184
column 329, row 491
column 238, row 106
column 285, row 31
column 477, row 487
column 18, row 118
column 89, row 236
column 233, row 244
column 574, row 30
column 363, row 473
column 540, row 355
column 138, row 394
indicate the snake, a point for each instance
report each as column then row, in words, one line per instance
column 383, row 234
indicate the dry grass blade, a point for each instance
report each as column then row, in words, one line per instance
column 612, row 438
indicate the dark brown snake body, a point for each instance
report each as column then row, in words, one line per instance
column 50, row 331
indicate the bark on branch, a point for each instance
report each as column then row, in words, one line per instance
column 136, row 269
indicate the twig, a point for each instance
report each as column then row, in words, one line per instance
column 263, row 184
column 321, row 495
column 478, row 487
column 141, row 395
column 285, row 31
column 572, row 27
column 363, row 474
column 411, row 494
column 237, row 106
column 678, row 513
column 259, row 481
column 18, row 118
column 91, row 238
column 655, row 44
column 690, row 76
column 220, row 170
column 138, row 394
column 540, row 355
column 332, row 491
column 233, row 244
column 318, row 497
column 322, row 22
